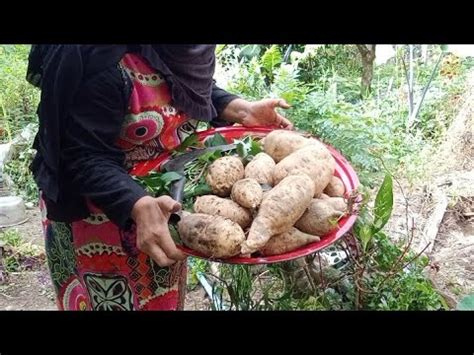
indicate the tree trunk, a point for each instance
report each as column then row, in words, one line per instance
column 367, row 53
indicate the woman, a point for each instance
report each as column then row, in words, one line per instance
column 103, row 109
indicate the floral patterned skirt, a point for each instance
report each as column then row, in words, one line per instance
column 91, row 270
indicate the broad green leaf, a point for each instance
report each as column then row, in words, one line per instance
column 189, row 141
column 255, row 148
column 210, row 156
column 383, row 204
column 466, row 304
column 198, row 190
column 250, row 51
column 365, row 235
column 243, row 147
column 247, row 147
column 216, row 140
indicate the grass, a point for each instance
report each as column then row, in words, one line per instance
column 17, row 254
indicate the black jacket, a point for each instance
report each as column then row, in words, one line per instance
column 91, row 165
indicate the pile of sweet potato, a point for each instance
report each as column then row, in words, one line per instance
column 286, row 197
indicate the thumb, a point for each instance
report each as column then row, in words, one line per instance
column 167, row 204
column 280, row 103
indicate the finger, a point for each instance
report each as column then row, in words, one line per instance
column 167, row 204
column 168, row 245
column 155, row 252
column 284, row 122
column 278, row 103
column 283, row 104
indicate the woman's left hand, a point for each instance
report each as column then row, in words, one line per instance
column 257, row 113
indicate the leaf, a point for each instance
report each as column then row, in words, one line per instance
column 365, row 235
column 271, row 58
column 198, row 190
column 466, row 304
column 216, row 140
column 170, row 176
column 255, row 148
column 383, row 204
column 242, row 148
column 220, row 48
column 250, row 50
column 189, row 141
column 210, row 156
column 174, row 234
column 247, row 147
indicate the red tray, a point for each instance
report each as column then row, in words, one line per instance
column 343, row 170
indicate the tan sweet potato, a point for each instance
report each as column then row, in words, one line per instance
column 218, row 206
column 335, row 187
column 314, row 160
column 247, row 193
column 223, row 173
column 288, row 241
column 261, row 168
column 281, row 143
column 281, row 208
column 213, row 236
column 319, row 219
column 338, row 203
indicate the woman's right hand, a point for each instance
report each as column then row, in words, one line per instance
column 151, row 217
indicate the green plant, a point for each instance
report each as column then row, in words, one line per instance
column 18, row 98
column 196, row 267
column 18, row 170
column 18, row 255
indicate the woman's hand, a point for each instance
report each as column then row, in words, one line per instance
column 151, row 217
column 257, row 113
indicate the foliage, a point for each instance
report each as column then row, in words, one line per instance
column 18, row 255
column 17, row 169
column 18, row 99
column 18, row 102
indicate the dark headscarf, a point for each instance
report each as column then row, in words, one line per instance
column 59, row 70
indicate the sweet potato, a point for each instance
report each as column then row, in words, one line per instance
column 319, row 219
column 261, row 168
column 288, row 241
column 247, row 193
column 223, row 173
column 281, row 208
column 213, row 236
column 314, row 160
column 281, row 143
column 338, row 203
column 335, row 187
column 218, row 206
